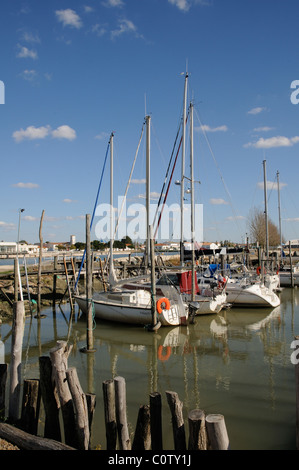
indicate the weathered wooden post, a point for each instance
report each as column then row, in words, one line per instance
column 39, row 278
column 51, row 405
column 142, row 437
column 80, row 409
column 197, row 430
column 16, row 280
column 110, row 415
column 16, row 359
column 217, row 433
column 291, row 265
column 156, row 420
column 176, row 408
column 3, row 378
column 30, row 406
column 89, row 324
column 59, row 358
column 121, row 413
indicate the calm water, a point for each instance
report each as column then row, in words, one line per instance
column 237, row 364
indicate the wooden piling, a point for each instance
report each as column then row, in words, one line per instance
column 80, row 409
column 110, row 414
column 121, row 413
column 197, row 430
column 59, row 358
column 217, row 433
column 142, row 437
column 51, row 406
column 30, row 406
column 89, row 326
column 39, row 277
column 156, row 420
column 16, row 359
column 176, row 408
column 3, row 379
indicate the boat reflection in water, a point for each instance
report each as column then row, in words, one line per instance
column 237, row 364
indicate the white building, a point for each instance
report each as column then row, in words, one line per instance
column 11, row 248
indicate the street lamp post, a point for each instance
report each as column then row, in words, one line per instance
column 18, row 266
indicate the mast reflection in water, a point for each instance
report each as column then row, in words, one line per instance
column 237, row 364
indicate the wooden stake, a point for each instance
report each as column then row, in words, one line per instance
column 121, row 413
column 80, row 409
column 176, row 408
column 197, row 430
column 110, row 414
column 217, row 433
column 16, row 359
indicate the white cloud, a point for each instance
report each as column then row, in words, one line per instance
column 271, row 185
column 256, row 110
column 102, row 135
column 26, row 185
column 69, row 17
column 64, row 132
column 263, row 129
column 183, row 5
column 35, row 133
column 125, row 26
column 138, row 181
column 29, row 75
column 237, row 217
column 31, row 133
column 25, row 53
column 30, row 218
column 113, row 3
column 68, row 201
column 29, row 37
column 206, row 128
column 7, row 226
column 278, row 141
column 217, row 201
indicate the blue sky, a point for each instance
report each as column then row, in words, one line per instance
column 76, row 71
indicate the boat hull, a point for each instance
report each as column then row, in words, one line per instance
column 131, row 314
column 252, row 296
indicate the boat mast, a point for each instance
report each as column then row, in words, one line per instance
column 111, row 203
column 279, row 215
column 192, row 202
column 148, row 137
column 183, row 171
column 266, row 210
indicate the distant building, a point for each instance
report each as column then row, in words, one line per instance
column 11, row 248
column 72, row 240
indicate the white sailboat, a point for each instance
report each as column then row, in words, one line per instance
column 137, row 306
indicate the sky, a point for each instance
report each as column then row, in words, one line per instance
column 72, row 73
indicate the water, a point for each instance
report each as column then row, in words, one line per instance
column 237, row 364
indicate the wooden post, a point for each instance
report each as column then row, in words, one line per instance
column 80, row 409
column 110, row 415
column 89, row 327
column 156, row 420
column 176, row 408
column 26, row 441
column 121, row 413
column 16, row 359
column 197, row 430
column 16, row 280
column 39, row 279
column 30, row 406
column 142, row 438
column 68, row 284
column 3, row 379
column 59, row 357
column 55, row 278
column 217, row 433
column 51, row 406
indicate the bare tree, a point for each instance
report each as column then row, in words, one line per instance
column 257, row 229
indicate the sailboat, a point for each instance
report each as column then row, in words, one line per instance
column 138, row 306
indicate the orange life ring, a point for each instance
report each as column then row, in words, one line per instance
column 258, row 270
column 161, row 301
column 164, row 357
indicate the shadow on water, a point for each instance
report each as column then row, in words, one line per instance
column 236, row 363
